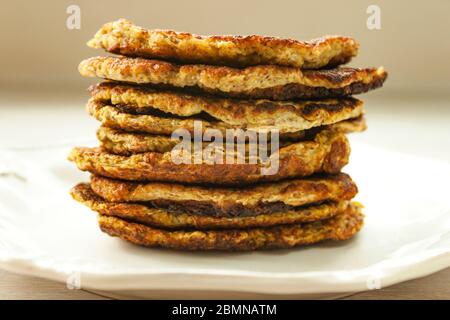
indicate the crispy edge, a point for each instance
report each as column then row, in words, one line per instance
column 328, row 152
column 112, row 117
column 297, row 91
column 157, row 217
column 339, row 228
column 125, row 38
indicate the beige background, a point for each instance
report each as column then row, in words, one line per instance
column 413, row 43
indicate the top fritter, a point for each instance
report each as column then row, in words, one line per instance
column 123, row 37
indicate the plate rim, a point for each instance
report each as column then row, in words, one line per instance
column 323, row 282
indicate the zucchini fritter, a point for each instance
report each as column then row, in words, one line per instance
column 162, row 218
column 228, row 202
column 341, row 227
column 127, row 143
column 124, row 38
column 258, row 82
column 255, row 115
column 328, row 152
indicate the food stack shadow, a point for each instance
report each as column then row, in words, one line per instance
column 162, row 177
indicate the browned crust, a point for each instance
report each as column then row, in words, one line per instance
column 262, row 82
column 341, row 227
column 157, row 217
column 285, row 116
column 122, row 37
column 216, row 201
column 328, row 153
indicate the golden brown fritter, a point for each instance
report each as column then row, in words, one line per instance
column 118, row 118
column 341, row 227
column 256, row 115
column 127, row 143
column 122, row 37
column 328, row 153
column 162, row 218
column 216, row 201
column 265, row 82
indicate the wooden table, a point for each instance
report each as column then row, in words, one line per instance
column 12, row 286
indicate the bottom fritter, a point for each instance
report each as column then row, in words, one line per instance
column 340, row 227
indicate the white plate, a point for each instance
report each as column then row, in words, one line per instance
column 407, row 235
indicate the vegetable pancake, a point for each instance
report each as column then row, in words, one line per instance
column 258, row 82
column 328, row 152
column 217, row 201
column 123, row 37
column 341, row 227
column 256, row 115
column 162, row 218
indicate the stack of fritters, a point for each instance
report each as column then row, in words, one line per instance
column 258, row 84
